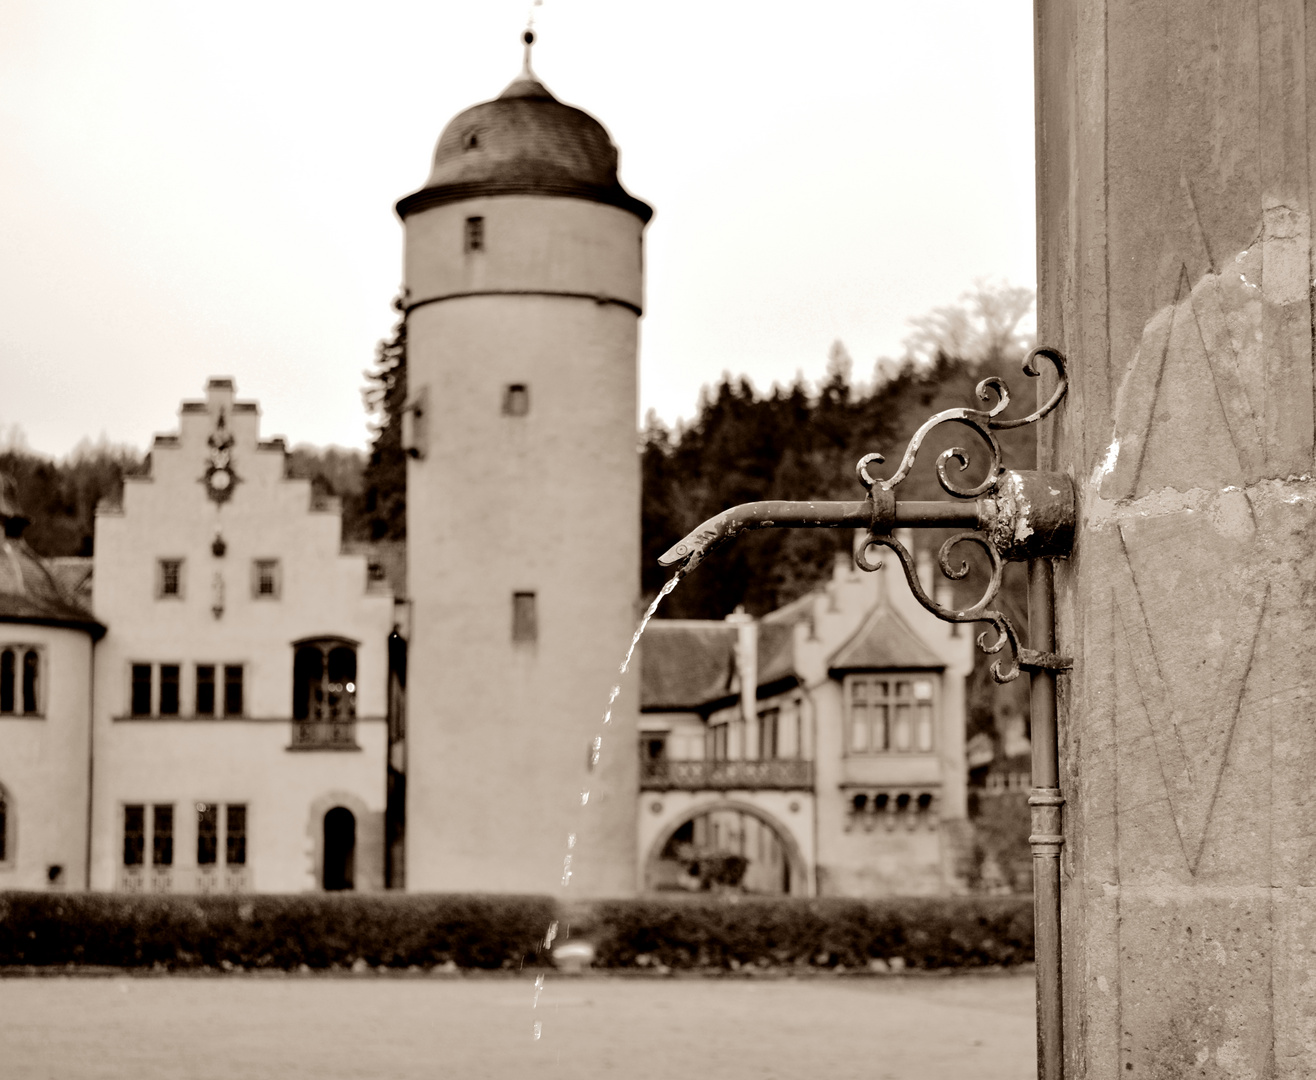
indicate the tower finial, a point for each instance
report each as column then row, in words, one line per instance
column 528, row 36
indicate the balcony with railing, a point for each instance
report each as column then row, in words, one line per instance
column 324, row 735
column 780, row 774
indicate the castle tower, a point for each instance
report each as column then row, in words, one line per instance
column 524, row 279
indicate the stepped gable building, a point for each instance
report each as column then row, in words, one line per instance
column 524, row 287
column 816, row 751
column 241, row 691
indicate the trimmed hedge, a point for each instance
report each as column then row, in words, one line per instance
column 492, row 932
column 271, row 931
column 736, row 932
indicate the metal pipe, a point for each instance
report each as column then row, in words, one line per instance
column 857, row 514
column 1045, row 803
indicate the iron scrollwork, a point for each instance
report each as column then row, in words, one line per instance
column 985, row 423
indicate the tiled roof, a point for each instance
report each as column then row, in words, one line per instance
column 685, row 665
column 884, row 640
column 73, row 573
column 524, row 142
column 30, row 592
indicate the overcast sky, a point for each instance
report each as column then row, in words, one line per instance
column 194, row 189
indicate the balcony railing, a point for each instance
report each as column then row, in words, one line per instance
column 780, row 774
column 184, row 879
column 324, row 735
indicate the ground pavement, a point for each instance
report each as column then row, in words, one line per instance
column 958, row 1027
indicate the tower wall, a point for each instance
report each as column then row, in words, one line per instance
column 546, row 503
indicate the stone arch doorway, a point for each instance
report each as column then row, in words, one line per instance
column 726, row 846
column 339, row 850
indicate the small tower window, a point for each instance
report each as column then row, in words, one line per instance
column 475, row 234
column 471, row 140
column 516, row 400
column 525, row 621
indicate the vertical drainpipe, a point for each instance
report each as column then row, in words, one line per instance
column 91, row 759
column 811, row 882
column 1045, row 802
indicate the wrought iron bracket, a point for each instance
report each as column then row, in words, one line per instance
column 1009, row 515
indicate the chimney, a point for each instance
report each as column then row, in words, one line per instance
column 747, row 661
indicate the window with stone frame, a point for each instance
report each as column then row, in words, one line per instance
column 205, row 690
column 207, row 834
column 169, row 689
column 140, row 698
column 162, row 834
column 20, row 680
column 233, row 690
column 235, row 834
column 266, row 583
column 134, row 834
column 169, row 579
column 324, row 680
column 890, row 713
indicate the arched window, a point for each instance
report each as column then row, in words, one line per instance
column 324, row 680
column 339, row 849
column 20, row 680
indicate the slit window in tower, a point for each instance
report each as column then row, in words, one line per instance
column 516, row 400
column 525, row 622
column 475, row 234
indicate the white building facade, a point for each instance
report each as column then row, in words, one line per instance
column 240, row 693
column 816, row 751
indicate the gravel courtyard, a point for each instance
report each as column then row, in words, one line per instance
column 363, row 1028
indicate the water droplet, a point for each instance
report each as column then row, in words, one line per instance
column 552, row 933
column 539, row 1029
column 594, row 750
column 584, row 796
column 571, row 840
column 566, row 871
column 539, row 989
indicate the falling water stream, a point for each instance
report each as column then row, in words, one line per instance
column 595, row 752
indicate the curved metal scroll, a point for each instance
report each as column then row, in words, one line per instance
column 982, row 421
column 985, row 422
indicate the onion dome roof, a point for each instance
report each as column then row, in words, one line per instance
column 29, row 592
column 524, row 142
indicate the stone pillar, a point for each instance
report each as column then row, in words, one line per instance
column 1175, row 155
